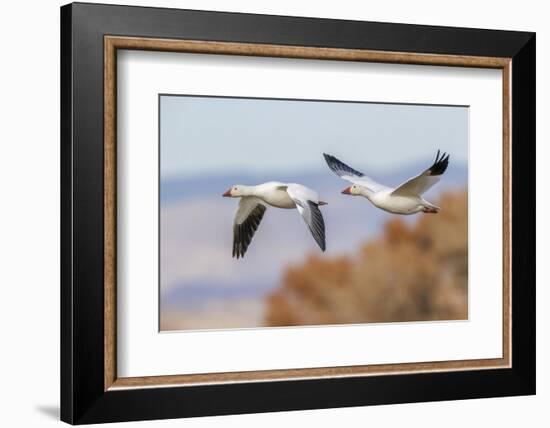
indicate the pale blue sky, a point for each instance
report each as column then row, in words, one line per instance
column 203, row 135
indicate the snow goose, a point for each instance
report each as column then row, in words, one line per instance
column 404, row 199
column 254, row 202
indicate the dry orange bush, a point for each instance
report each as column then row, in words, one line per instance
column 412, row 272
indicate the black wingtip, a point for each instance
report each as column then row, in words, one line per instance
column 321, row 242
column 440, row 164
column 328, row 158
column 317, row 226
column 339, row 167
column 244, row 232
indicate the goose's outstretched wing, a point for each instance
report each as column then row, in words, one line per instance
column 247, row 219
column 307, row 203
column 352, row 175
column 425, row 180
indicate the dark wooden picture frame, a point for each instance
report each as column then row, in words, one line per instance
column 90, row 389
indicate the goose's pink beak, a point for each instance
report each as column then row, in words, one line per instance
column 227, row 194
column 347, row 191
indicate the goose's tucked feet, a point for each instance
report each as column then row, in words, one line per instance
column 429, row 210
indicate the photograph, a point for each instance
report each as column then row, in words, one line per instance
column 290, row 212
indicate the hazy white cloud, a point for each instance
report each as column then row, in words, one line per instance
column 215, row 314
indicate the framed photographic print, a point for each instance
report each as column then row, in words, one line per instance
column 265, row 213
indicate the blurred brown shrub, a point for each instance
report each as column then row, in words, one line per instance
column 410, row 273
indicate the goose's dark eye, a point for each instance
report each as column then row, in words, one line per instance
column 234, row 188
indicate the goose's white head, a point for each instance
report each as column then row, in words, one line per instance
column 353, row 190
column 235, row 191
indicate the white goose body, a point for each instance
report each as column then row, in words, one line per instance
column 403, row 199
column 254, row 202
column 397, row 204
column 274, row 193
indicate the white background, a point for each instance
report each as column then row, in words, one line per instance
column 142, row 351
column 29, row 219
